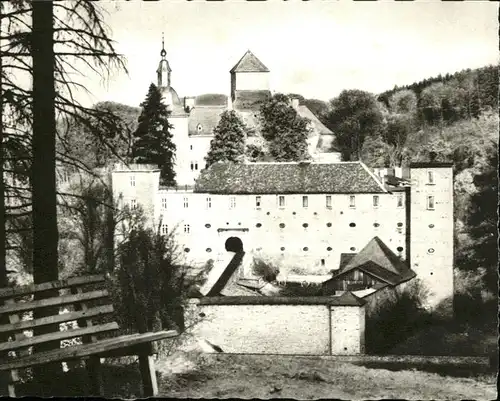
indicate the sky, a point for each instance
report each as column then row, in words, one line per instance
column 316, row 48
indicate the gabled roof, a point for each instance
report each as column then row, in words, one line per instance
column 249, row 63
column 202, row 120
column 379, row 261
column 290, row 177
column 378, row 252
column 345, row 258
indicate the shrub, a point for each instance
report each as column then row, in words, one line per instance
column 397, row 318
column 150, row 284
column 301, row 290
column 266, row 270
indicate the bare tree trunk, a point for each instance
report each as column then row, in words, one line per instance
column 3, row 266
column 45, row 233
column 44, row 146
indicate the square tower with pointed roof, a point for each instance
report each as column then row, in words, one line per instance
column 249, row 79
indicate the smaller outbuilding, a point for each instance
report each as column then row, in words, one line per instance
column 374, row 267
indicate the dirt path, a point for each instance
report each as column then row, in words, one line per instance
column 247, row 376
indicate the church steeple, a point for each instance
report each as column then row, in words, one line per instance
column 164, row 70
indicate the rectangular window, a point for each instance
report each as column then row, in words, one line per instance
column 164, row 203
column 305, row 201
column 328, row 201
column 400, row 200
column 352, row 201
column 164, row 229
column 281, row 201
column 375, row 200
column 209, row 202
column 196, row 165
column 133, row 204
column 186, row 203
column 192, row 166
column 258, row 200
column 430, row 202
column 132, row 180
column 232, row 202
column 430, row 177
column 187, row 228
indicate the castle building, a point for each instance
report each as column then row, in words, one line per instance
column 322, row 216
column 306, row 217
column 194, row 118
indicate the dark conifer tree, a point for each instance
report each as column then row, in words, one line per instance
column 229, row 140
column 153, row 140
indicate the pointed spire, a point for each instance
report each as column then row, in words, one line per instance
column 163, row 52
column 163, row 71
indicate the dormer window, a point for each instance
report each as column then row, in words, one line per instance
column 199, row 128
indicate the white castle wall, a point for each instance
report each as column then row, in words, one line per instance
column 252, row 81
column 208, row 220
column 432, row 231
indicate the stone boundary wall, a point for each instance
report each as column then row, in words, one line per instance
column 279, row 325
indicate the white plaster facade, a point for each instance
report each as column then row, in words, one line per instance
column 307, row 231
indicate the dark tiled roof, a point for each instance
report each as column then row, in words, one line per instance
column 205, row 117
column 346, row 299
column 378, row 260
column 345, row 258
column 379, row 272
column 211, row 99
column 274, row 178
column 378, row 252
column 249, row 63
column 250, row 99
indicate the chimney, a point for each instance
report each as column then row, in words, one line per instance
column 295, row 103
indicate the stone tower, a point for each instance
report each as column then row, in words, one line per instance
column 431, row 230
column 249, row 75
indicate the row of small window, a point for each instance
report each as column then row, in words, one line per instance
column 305, row 225
column 305, row 249
column 282, row 202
